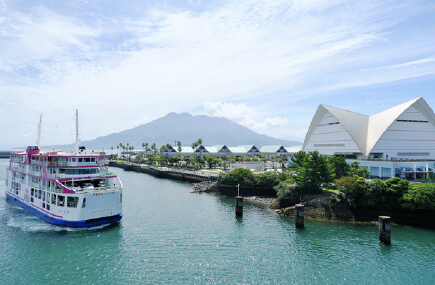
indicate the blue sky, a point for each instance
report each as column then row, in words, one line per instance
column 264, row 64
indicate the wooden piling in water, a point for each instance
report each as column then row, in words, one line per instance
column 299, row 215
column 385, row 229
column 239, row 206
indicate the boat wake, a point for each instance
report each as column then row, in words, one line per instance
column 29, row 223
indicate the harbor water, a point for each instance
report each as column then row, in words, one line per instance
column 169, row 235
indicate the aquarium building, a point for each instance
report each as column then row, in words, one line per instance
column 399, row 141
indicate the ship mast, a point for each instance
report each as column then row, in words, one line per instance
column 38, row 141
column 76, row 148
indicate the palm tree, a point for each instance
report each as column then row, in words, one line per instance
column 198, row 144
column 179, row 148
column 153, row 147
column 146, row 149
column 121, row 145
column 117, row 150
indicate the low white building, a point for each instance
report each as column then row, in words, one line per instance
column 255, row 166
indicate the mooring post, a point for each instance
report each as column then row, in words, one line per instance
column 239, row 206
column 299, row 215
column 385, row 229
column 239, row 203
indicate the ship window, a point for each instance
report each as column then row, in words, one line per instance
column 32, row 192
column 32, row 199
column 39, row 194
column 61, row 201
column 84, row 203
column 48, row 206
column 43, row 196
column 72, row 202
column 80, row 159
column 53, row 199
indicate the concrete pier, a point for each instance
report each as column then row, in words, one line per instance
column 299, row 215
column 385, row 229
column 239, row 206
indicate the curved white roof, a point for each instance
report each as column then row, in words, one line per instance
column 367, row 130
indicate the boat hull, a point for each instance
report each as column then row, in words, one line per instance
column 62, row 222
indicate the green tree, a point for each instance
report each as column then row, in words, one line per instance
column 298, row 159
column 280, row 161
column 151, row 158
column 341, row 167
column 174, row 159
column 179, row 147
column 419, row 196
column 211, row 161
column 359, row 171
column 154, row 148
column 201, row 161
column 396, row 188
column 351, row 192
column 315, row 171
column 376, row 192
column 241, row 176
column 224, row 164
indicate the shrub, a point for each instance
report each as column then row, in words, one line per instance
column 396, row 188
column 240, row 175
column 267, row 179
column 419, row 196
column 286, row 189
column 352, row 192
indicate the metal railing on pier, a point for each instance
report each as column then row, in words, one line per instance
column 184, row 172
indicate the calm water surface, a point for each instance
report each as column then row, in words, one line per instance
column 170, row 235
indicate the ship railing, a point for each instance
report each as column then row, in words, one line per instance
column 98, row 189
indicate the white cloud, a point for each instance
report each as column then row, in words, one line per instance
column 244, row 115
column 124, row 69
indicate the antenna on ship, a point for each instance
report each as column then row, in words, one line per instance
column 76, row 148
column 38, row 141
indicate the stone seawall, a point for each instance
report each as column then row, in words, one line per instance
column 231, row 191
column 165, row 172
column 320, row 210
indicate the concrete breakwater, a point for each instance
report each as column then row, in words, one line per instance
column 166, row 172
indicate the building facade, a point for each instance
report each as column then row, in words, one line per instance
column 399, row 141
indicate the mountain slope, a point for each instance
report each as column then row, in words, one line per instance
column 187, row 129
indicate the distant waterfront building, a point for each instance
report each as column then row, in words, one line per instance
column 255, row 166
column 399, row 141
column 237, row 151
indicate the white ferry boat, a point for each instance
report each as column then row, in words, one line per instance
column 66, row 189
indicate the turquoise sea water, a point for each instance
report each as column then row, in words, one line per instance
column 170, row 235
